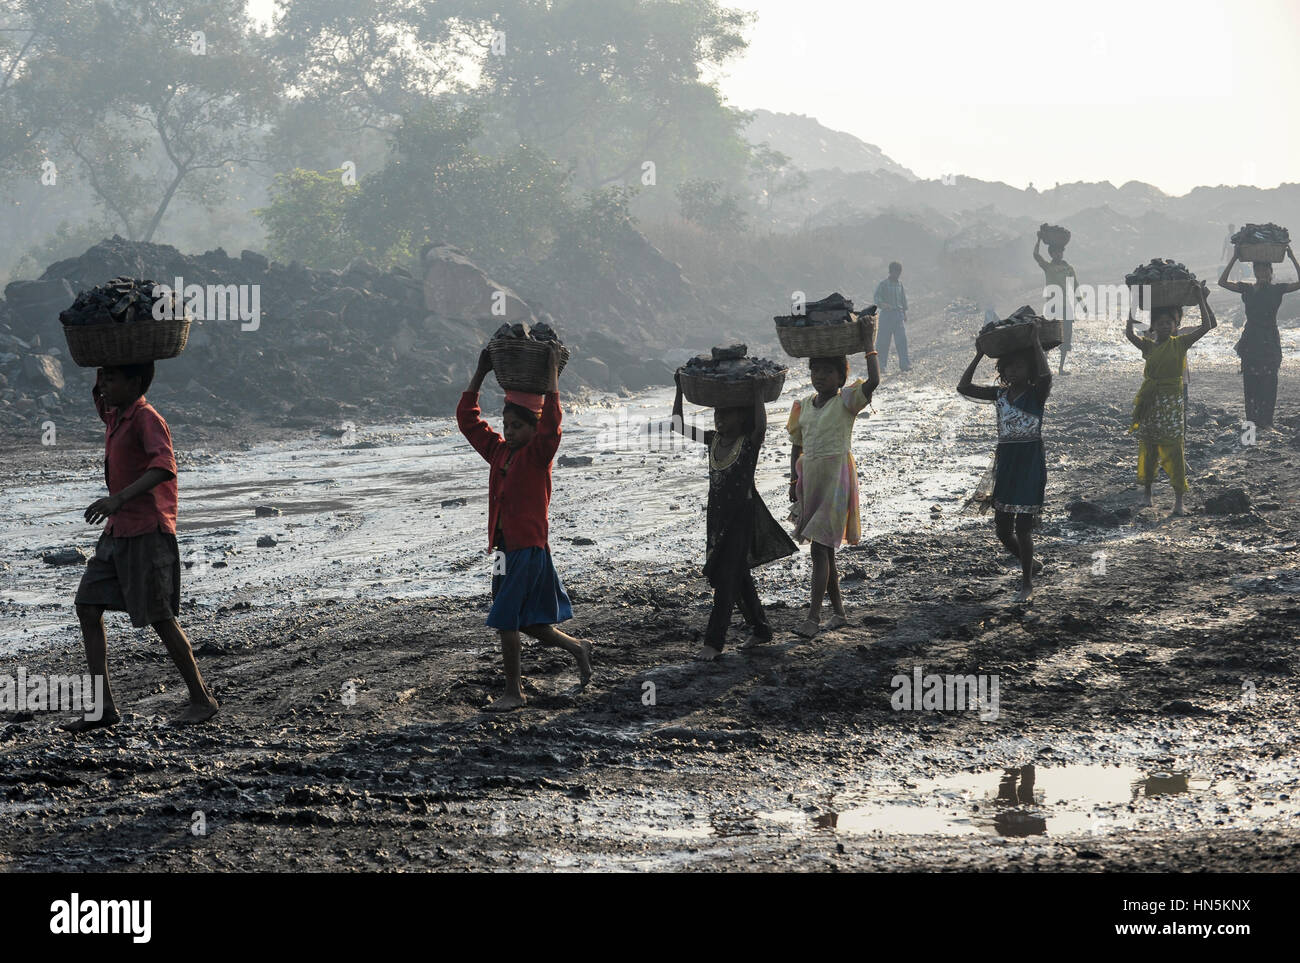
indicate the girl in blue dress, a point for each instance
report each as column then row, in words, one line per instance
column 1020, row 464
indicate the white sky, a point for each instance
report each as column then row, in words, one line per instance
column 1172, row 92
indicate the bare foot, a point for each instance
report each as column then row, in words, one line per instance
column 1025, row 594
column 505, row 704
column 584, row 664
column 757, row 640
column 707, row 654
column 807, row 628
column 1037, row 567
column 195, row 713
column 837, row 621
column 109, row 718
column 1178, row 505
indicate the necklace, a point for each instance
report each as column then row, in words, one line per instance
column 728, row 457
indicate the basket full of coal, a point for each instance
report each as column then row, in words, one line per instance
column 1053, row 235
column 1016, row 333
column 520, row 355
column 122, row 322
column 1164, row 283
column 826, row 328
column 1262, row 242
column 728, row 378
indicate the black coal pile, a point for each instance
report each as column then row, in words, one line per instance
column 1053, row 234
column 832, row 309
column 1023, row 315
column 1262, row 234
column 122, row 300
column 533, row 332
column 326, row 345
column 731, row 364
column 1159, row 269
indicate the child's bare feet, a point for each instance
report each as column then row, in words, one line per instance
column 708, row 654
column 1025, row 594
column 1178, row 504
column 837, row 621
column 808, row 628
column 195, row 713
column 109, row 718
column 505, row 704
column 584, row 663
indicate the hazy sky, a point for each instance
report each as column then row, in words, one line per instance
column 1174, row 93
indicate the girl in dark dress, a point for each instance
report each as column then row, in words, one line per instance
column 1260, row 345
column 1020, row 464
column 742, row 534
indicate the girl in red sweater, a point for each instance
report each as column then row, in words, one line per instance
column 527, row 595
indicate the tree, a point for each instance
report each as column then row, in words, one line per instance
column 152, row 100
column 607, row 85
column 706, row 203
column 305, row 220
column 774, row 174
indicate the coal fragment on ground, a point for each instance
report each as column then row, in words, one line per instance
column 1232, row 501
column 1090, row 513
column 266, row 541
column 66, row 556
column 574, row 461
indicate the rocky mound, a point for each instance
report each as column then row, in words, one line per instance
column 324, row 345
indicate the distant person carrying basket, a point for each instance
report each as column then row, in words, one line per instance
column 891, row 299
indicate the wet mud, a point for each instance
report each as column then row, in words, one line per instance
column 1146, row 705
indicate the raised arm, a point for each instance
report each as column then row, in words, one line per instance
column 1044, row 369
column 1293, row 285
column 1207, row 318
column 1237, row 286
column 1129, row 333
column 547, row 438
column 973, row 391
column 760, row 418
column 1038, row 245
column 678, row 423
column 468, row 417
column 868, row 323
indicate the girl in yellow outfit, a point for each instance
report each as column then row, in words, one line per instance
column 1158, row 416
column 823, row 475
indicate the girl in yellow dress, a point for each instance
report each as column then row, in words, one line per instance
column 1158, row 417
column 823, row 474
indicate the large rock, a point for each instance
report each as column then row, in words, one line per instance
column 455, row 287
column 591, row 370
column 640, row 375
column 43, row 373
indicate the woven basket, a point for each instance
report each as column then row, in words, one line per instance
column 127, row 342
column 720, row 393
column 1169, row 294
column 1016, row 337
column 521, row 364
column 1273, row 253
column 821, row 340
column 1051, row 238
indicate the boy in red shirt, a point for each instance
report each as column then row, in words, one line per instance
column 527, row 595
column 137, row 565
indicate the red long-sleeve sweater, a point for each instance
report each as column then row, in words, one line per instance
column 519, row 487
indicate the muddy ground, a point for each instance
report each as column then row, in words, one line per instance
column 1151, row 684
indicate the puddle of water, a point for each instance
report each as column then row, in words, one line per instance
column 1024, row 801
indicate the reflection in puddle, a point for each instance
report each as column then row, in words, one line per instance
column 1016, row 802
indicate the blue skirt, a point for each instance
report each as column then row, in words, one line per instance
column 1020, row 477
column 529, row 592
